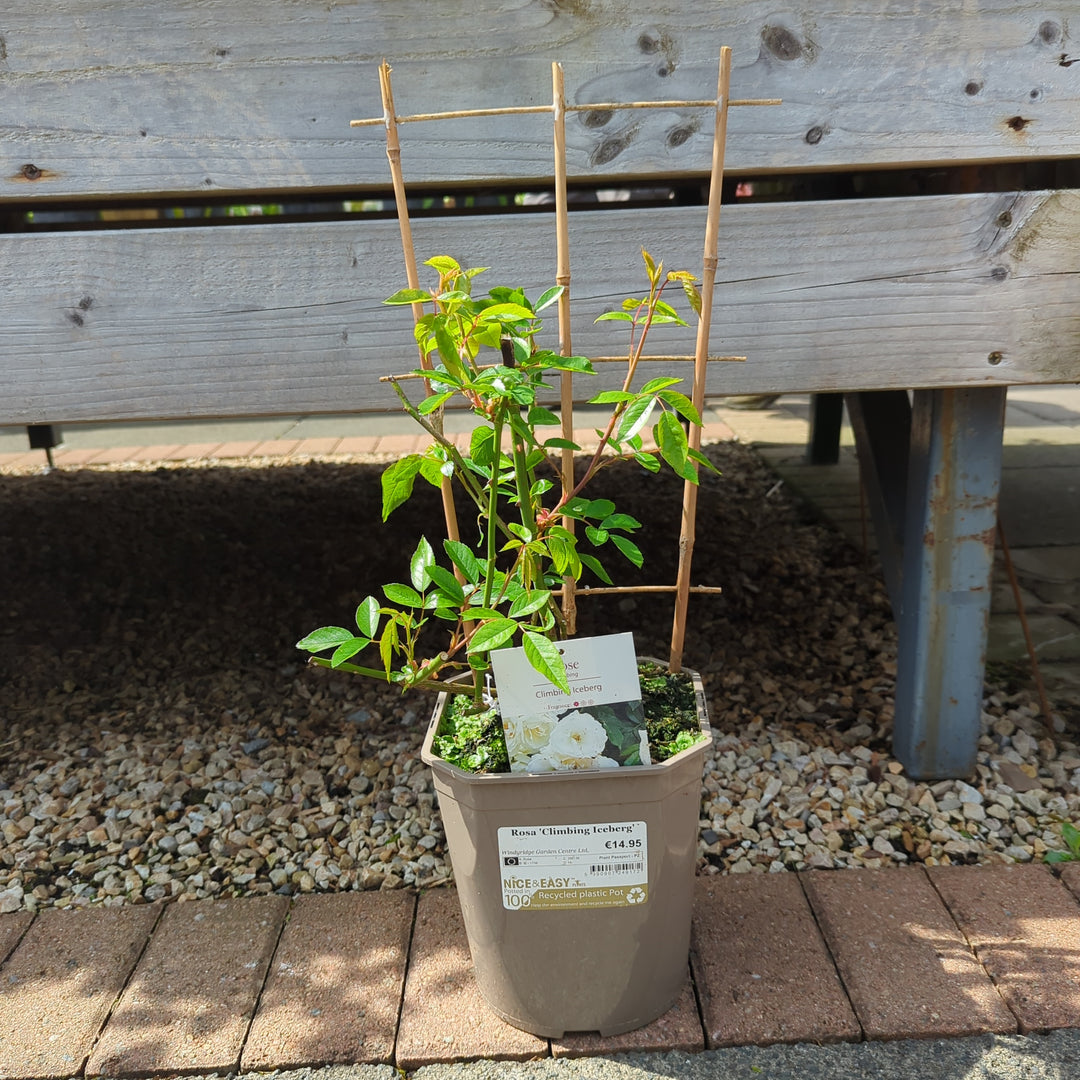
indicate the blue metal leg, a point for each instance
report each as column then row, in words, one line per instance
column 952, row 490
column 881, row 421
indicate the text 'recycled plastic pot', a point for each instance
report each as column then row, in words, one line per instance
column 576, row 888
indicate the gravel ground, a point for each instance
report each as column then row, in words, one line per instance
column 161, row 737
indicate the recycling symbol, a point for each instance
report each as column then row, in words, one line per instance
column 635, row 895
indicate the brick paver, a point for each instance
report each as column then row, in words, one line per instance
column 318, row 446
column 193, row 452
column 239, row 448
column 335, row 983
column 358, row 444
column 907, row 969
column 400, row 443
column 1025, row 928
column 275, row 448
column 190, row 1000
column 60, row 983
column 762, row 970
column 678, row 1029
column 443, row 1015
column 113, row 455
column 12, row 928
column 77, row 456
column 157, row 452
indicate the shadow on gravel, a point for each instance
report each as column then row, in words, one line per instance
column 126, row 592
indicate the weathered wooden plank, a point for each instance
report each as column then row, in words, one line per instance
column 262, row 319
column 214, row 96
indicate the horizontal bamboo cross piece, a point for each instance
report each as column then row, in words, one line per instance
column 604, row 106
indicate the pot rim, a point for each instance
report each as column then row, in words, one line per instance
column 627, row 772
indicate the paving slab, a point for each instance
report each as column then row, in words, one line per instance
column 1025, row 928
column 335, row 983
column 762, row 970
column 58, row 986
column 191, row 998
column 1054, row 638
column 907, row 969
column 12, row 928
column 678, row 1029
column 444, row 1016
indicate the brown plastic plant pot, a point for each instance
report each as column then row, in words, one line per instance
column 576, row 960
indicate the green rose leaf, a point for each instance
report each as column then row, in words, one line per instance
column 529, row 602
column 610, row 397
column 444, row 264
column 541, row 417
column 462, row 557
column 347, row 650
column 397, row 482
column 492, row 634
column 409, row 296
column 580, row 364
column 636, row 416
column 653, row 386
column 430, row 404
column 367, row 616
column 402, row 594
column 620, row 521
column 447, row 583
column 549, row 297
column 671, row 439
column 594, row 564
column 422, row 558
column 682, row 404
column 628, row 548
column 545, row 657
column 482, row 446
column 326, row 637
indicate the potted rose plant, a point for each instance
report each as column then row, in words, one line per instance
column 572, row 827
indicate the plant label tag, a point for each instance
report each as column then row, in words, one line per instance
column 574, row 866
column 600, row 724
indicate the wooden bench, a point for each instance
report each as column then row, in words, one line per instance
column 953, row 295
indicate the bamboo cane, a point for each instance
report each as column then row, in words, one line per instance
column 405, row 376
column 393, row 154
column 532, row 110
column 562, row 277
column 708, row 284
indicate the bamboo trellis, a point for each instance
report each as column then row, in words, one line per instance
column 701, row 357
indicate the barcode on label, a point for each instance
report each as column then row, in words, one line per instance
column 615, row 868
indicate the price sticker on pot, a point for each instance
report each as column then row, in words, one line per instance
column 574, row 866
